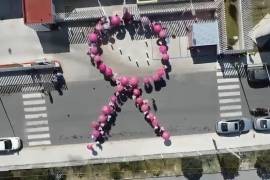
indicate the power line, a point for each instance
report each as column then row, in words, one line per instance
column 7, row 116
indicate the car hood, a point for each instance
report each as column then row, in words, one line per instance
column 15, row 143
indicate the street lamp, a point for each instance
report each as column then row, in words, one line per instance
column 192, row 9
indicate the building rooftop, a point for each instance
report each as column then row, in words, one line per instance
column 37, row 11
column 204, row 34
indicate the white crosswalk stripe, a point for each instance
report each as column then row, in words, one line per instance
column 231, row 114
column 226, row 94
column 230, row 107
column 35, row 116
column 38, row 136
column 35, row 123
column 227, row 80
column 34, row 102
column 37, row 129
column 35, row 109
column 226, row 87
column 226, row 101
column 38, row 143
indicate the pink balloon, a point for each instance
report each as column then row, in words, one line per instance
column 90, row 147
column 150, row 116
column 95, row 133
column 119, row 88
column 102, row 67
column 139, row 101
column 97, row 59
column 94, row 124
column 108, row 72
column 146, row 80
column 134, row 81
column 166, row 135
column 124, row 81
column 161, row 72
column 115, row 20
column 92, row 37
column 94, row 50
column 102, row 118
column 156, row 77
column 157, row 28
column 165, row 57
column 162, row 34
column 136, row 92
column 145, row 107
column 106, row 110
column 163, row 49
column 99, row 27
column 113, row 99
column 154, row 122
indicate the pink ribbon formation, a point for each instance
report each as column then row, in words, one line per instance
column 125, row 87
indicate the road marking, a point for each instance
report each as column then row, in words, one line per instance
column 38, row 136
column 220, row 74
column 226, row 94
column 35, row 109
column 231, row 107
column 34, row 102
column 227, row 80
column 233, row 100
column 36, row 143
column 33, row 95
column 226, row 87
column 35, row 123
column 231, row 114
column 38, row 129
column 34, row 116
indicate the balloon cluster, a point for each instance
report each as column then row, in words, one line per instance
column 125, row 86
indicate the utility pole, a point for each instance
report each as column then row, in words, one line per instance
column 7, row 116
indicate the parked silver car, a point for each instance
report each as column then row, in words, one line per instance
column 8, row 144
column 262, row 123
column 233, row 126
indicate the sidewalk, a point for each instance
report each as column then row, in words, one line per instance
column 131, row 150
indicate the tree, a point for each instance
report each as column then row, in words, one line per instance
column 263, row 165
column 192, row 168
column 229, row 165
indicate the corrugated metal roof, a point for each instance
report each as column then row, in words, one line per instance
column 37, row 11
column 204, row 34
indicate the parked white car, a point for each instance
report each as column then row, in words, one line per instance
column 262, row 123
column 10, row 144
column 233, row 126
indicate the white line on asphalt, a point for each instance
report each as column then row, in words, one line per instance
column 227, row 80
column 231, row 114
column 231, row 107
column 35, row 123
column 34, row 102
column 33, row 95
column 36, row 143
column 233, row 100
column 38, row 136
column 34, row 116
column 34, row 109
column 38, row 129
column 226, row 94
column 226, row 87
column 219, row 74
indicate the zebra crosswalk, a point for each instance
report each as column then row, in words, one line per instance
column 36, row 119
column 229, row 96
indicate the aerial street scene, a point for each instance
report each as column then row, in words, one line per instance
column 135, row 89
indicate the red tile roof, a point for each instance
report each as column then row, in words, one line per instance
column 37, row 11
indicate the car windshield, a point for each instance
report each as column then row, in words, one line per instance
column 224, row 127
column 235, row 126
column 260, row 74
column 263, row 124
column 8, row 144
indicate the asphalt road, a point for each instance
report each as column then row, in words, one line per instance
column 187, row 105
